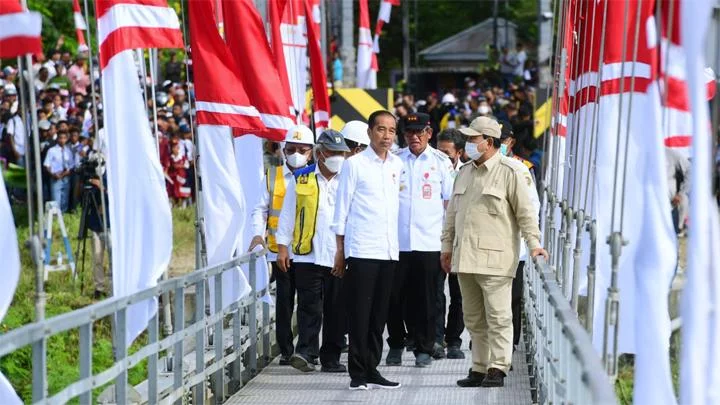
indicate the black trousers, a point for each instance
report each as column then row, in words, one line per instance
column 517, row 302
column 415, row 288
column 366, row 287
column 455, row 324
column 319, row 307
column 284, row 306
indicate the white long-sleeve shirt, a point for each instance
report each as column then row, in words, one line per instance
column 260, row 212
column 367, row 205
column 323, row 241
column 425, row 182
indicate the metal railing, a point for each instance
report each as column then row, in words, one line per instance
column 564, row 366
column 220, row 351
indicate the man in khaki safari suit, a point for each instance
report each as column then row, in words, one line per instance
column 490, row 207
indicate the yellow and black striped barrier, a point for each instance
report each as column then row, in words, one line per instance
column 354, row 104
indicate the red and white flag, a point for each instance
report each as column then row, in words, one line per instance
column 139, row 207
column 321, row 101
column 365, row 74
column 632, row 195
column 11, row 275
column 245, row 35
column 19, row 30
column 222, row 96
column 287, row 19
column 700, row 307
column 80, row 26
column 383, row 18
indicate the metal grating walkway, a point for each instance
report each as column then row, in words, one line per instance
column 434, row 385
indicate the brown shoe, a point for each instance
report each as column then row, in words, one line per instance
column 494, row 378
column 474, row 379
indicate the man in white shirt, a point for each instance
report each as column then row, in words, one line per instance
column 60, row 162
column 520, row 59
column 366, row 225
column 425, row 184
column 304, row 228
column 299, row 141
column 452, row 143
column 15, row 128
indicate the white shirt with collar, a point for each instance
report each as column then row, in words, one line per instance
column 367, row 205
column 426, row 181
column 16, row 128
column 323, row 241
column 59, row 159
column 260, row 212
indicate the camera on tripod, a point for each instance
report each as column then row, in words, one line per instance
column 90, row 167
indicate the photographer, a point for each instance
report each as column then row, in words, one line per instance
column 90, row 172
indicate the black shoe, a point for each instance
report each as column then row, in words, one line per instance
column 382, row 383
column 423, row 360
column 358, row 385
column 474, row 379
column 454, row 352
column 284, row 360
column 494, row 378
column 333, row 368
column 298, row 362
column 410, row 345
column 314, row 361
column 438, row 352
column 394, row 357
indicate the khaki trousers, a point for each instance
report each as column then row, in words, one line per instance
column 98, row 259
column 488, row 317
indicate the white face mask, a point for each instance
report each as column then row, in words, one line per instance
column 334, row 163
column 484, row 109
column 297, row 160
column 472, row 151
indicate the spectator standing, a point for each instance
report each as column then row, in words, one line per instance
column 520, row 59
column 78, row 75
column 508, row 64
column 337, row 69
column 14, row 128
column 173, row 69
column 59, row 163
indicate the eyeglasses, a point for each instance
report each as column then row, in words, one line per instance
column 418, row 133
column 292, row 149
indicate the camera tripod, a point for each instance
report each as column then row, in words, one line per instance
column 88, row 202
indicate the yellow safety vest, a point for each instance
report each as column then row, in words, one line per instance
column 306, row 208
column 276, row 189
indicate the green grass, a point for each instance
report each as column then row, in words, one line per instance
column 65, row 295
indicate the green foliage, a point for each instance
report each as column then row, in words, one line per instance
column 64, row 295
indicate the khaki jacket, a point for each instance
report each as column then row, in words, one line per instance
column 489, row 209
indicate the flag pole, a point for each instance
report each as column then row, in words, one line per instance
column 153, row 83
column 96, row 124
column 37, row 242
column 28, row 174
column 200, row 249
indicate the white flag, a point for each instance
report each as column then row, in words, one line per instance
column 249, row 158
column 139, row 206
column 700, row 309
column 10, row 276
column 223, row 209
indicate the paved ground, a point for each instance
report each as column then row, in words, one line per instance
column 434, row 385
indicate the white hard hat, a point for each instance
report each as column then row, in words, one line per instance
column 300, row 134
column 356, row 131
column 448, row 98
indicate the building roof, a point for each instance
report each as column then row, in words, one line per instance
column 472, row 43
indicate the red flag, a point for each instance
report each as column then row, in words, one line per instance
column 275, row 11
column 131, row 24
column 245, row 35
column 19, row 30
column 321, row 101
column 80, row 26
column 289, row 41
column 365, row 75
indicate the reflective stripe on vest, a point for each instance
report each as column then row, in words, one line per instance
column 276, row 189
column 308, row 197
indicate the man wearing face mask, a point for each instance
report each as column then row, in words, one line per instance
column 425, row 185
column 298, row 149
column 489, row 210
column 507, row 137
column 356, row 136
column 304, row 228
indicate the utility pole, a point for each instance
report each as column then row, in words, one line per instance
column 406, row 41
column 544, row 49
column 495, row 23
column 348, row 48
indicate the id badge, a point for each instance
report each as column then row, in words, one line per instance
column 427, row 191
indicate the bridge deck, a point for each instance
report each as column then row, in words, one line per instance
column 434, row 385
